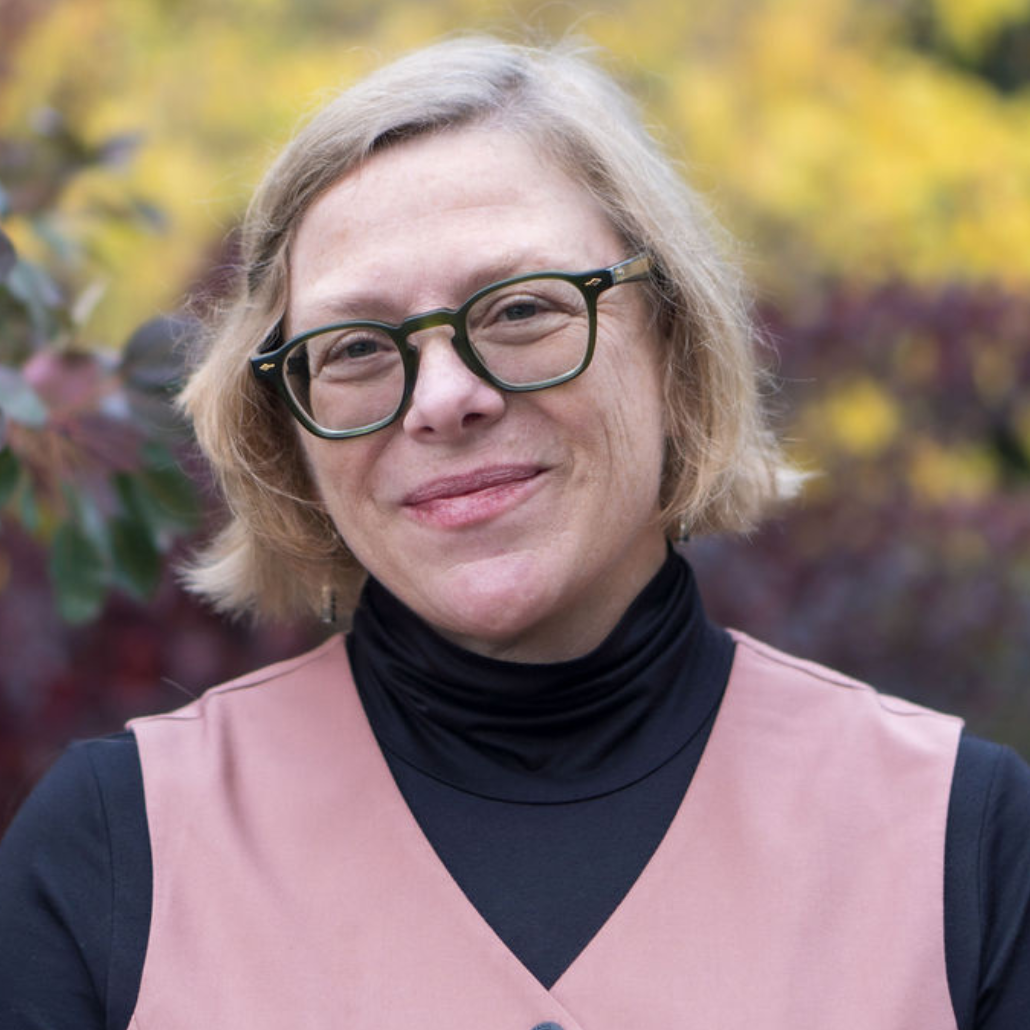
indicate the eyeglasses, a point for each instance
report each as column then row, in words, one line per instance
column 526, row 333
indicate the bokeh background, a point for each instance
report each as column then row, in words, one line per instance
column 872, row 156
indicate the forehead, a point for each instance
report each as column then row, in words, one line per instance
column 426, row 220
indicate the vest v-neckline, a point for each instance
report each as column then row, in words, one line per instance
column 544, row 789
column 433, row 872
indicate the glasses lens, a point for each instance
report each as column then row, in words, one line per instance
column 531, row 332
column 347, row 378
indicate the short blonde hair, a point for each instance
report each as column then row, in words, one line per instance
column 280, row 551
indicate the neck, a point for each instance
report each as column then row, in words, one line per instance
column 545, row 732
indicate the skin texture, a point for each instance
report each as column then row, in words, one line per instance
column 521, row 526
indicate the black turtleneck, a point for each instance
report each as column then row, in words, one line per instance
column 556, row 781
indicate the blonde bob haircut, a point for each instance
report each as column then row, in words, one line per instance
column 279, row 555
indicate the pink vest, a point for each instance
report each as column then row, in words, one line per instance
column 799, row 887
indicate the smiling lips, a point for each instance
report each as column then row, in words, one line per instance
column 455, row 501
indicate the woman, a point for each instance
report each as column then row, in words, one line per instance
column 484, row 352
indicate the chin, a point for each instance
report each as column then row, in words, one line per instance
column 493, row 607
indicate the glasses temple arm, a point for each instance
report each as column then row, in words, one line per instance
column 631, row 269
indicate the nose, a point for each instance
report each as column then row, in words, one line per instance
column 449, row 400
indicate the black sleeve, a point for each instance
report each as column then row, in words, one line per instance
column 987, row 888
column 75, row 894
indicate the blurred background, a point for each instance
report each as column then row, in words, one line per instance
column 872, row 156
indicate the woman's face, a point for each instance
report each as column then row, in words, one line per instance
column 519, row 525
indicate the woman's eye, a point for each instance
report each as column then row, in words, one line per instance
column 357, row 349
column 351, row 355
column 349, row 349
column 520, row 310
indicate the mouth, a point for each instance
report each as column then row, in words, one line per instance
column 455, row 501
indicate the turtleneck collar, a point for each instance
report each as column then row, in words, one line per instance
column 540, row 733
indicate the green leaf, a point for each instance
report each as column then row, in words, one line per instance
column 9, row 473
column 73, row 502
column 33, row 286
column 18, row 401
column 137, row 562
column 64, row 247
column 169, row 497
column 84, row 510
column 8, row 255
column 130, row 495
column 78, row 572
column 28, row 509
column 38, row 295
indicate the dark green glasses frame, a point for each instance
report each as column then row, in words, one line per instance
column 270, row 364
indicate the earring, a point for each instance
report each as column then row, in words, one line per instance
column 328, row 615
column 684, row 530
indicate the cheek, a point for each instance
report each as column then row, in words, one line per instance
column 340, row 471
column 635, row 422
column 306, row 446
column 317, row 461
